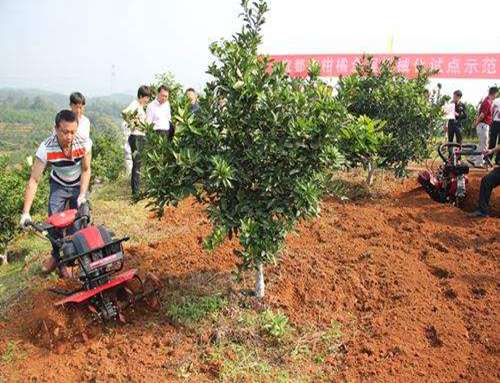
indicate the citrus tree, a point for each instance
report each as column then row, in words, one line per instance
column 362, row 141
column 387, row 95
column 257, row 152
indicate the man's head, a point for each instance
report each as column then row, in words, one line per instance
column 66, row 127
column 493, row 92
column 457, row 95
column 143, row 94
column 191, row 94
column 77, row 104
column 162, row 94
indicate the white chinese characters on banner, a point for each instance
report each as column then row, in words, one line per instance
column 489, row 65
column 437, row 63
column 403, row 65
column 299, row 66
column 327, row 66
column 454, row 66
column 471, row 66
column 342, row 65
column 445, row 65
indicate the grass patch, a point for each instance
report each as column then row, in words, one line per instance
column 240, row 363
column 25, row 253
column 112, row 207
column 272, row 324
column 191, row 310
column 317, row 346
column 112, row 191
column 12, row 353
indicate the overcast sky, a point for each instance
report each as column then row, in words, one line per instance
column 66, row 45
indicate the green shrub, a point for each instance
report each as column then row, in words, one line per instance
column 13, row 181
column 108, row 159
column 401, row 102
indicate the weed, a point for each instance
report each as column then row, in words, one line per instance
column 192, row 309
column 275, row 324
column 12, row 353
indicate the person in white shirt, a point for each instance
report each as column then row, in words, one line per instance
column 134, row 117
column 77, row 105
column 495, row 128
column 158, row 113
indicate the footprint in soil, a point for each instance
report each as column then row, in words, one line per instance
column 432, row 336
column 440, row 247
column 440, row 273
column 450, row 293
column 478, row 292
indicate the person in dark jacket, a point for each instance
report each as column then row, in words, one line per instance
column 488, row 183
column 455, row 125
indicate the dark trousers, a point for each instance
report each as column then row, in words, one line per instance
column 61, row 198
column 488, row 183
column 495, row 138
column 167, row 134
column 136, row 144
column 454, row 130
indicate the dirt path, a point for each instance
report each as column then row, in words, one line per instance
column 414, row 284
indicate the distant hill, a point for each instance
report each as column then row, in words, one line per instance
column 119, row 98
column 58, row 99
column 27, row 117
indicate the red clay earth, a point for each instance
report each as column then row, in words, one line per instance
column 414, row 283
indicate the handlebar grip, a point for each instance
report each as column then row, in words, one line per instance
column 37, row 227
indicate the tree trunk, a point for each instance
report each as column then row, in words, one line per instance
column 371, row 173
column 259, row 281
column 3, row 259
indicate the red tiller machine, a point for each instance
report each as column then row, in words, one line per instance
column 96, row 259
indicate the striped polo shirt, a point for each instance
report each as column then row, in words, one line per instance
column 65, row 170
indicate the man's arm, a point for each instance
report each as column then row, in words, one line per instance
column 495, row 150
column 462, row 113
column 149, row 114
column 85, row 178
column 479, row 118
column 31, row 188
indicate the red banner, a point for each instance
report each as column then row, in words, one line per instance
column 481, row 65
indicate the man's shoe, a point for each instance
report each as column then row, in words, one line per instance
column 472, row 163
column 49, row 265
column 64, row 272
column 478, row 213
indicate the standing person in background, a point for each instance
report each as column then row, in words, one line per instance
column 134, row 117
column 495, row 129
column 158, row 113
column 77, row 105
column 483, row 122
column 193, row 99
column 455, row 124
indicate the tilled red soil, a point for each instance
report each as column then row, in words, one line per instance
column 414, row 283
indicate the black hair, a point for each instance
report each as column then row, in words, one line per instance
column 143, row 91
column 65, row 115
column 190, row 90
column 76, row 98
column 162, row 87
column 493, row 90
column 458, row 93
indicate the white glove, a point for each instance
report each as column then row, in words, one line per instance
column 81, row 200
column 25, row 219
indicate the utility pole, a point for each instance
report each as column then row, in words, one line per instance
column 112, row 79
